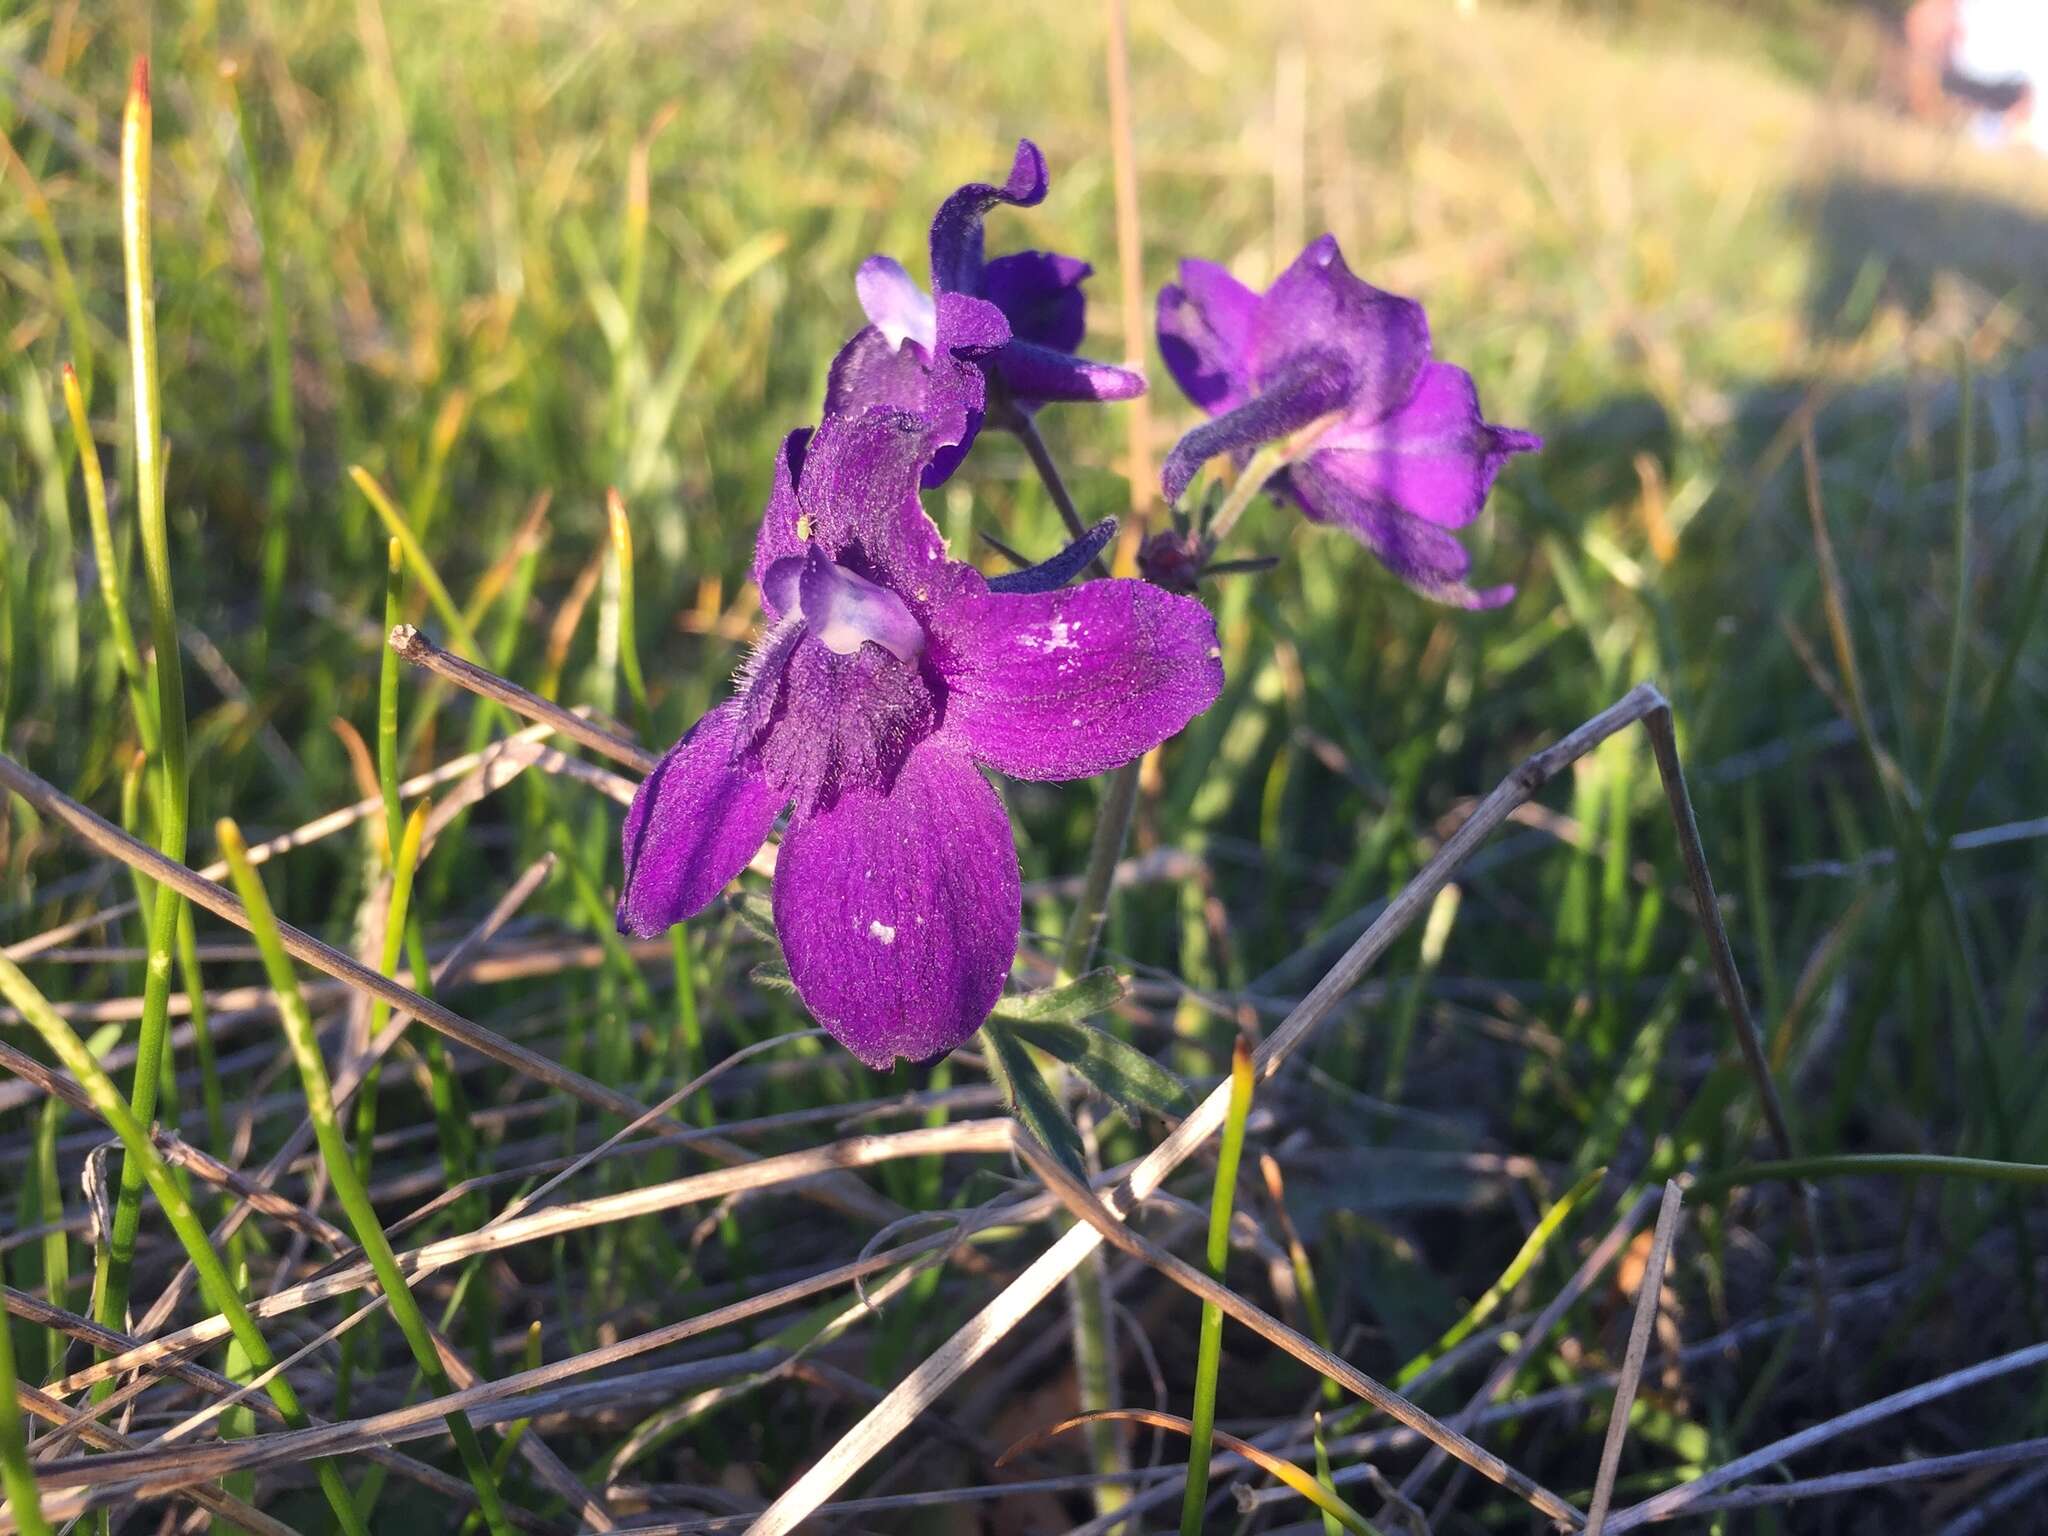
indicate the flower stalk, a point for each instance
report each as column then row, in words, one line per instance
column 118, row 1257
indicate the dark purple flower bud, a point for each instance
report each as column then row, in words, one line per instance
column 889, row 677
column 1017, row 319
column 1409, row 456
column 1172, row 559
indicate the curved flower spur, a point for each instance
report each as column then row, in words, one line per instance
column 1015, row 321
column 890, row 674
column 1406, row 456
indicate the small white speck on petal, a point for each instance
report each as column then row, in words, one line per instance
column 881, row 932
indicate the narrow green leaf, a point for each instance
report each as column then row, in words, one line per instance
column 1117, row 1070
column 1027, row 1096
column 1083, row 998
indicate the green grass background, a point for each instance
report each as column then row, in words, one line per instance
column 396, row 233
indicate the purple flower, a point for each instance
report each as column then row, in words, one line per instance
column 889, row 675
column 1017, row 318
column 1408, row 456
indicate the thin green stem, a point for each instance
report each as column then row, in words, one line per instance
column 1112, row 826
column 404, row 869
column 387, row 700
column 1265, row 464
column 1026, row 429
column 689, row 1029
column 349, row 1187
column 1959, row 622
column 216, row 1284
column 163, row 623
column 1209, row 1360
column 112, row 597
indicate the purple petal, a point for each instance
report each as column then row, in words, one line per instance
column 1205, row 335
column 1070, row 683
column 971, row 331
column 1062, row 568
column 1317, row 307
column 1036, row 375
column 895, row 305
column 1435, row 458
column 1420, row 554
column 829, row 724
column 778, row 538
column 871, row 372
column 1316, row 385
column 694, row 823
column 956, row 229
column 857, row 497
column 899, row 910
column 1039, row 293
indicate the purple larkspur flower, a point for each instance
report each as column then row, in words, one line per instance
column 890, row 674
column 1407, row 459
column 1017, row 318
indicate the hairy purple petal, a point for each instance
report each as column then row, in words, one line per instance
column 971, row 331
column 1036, row 375
column 1316, row 385
column 778, row 538
column 852, row 489
column 1205, row 335
column 694, row 823
column 873, row 373
column 957, row 227
column 1039, row 293
column 1419, row 553
column 1062, row 568
column 899, row 908
column 1318, row 307
column 1435, row 458
column 1074, row 682
column 895, row 305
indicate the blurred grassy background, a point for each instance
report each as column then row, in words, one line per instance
column 400, row 233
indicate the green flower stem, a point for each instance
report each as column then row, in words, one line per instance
column 1112, row 826
column 119, row 1254
column 1265, row 464
column 1209, row 1360
column 219, row 1289
column 349, row 1187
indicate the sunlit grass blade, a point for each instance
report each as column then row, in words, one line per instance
column 404, row 870
column 349, row 1186
column 173, row 809
column 1324, row 1499
column 216, row 1284
column 1304, row 1272
column 61, row 275
column 689, row 1029
column 1209, row 1360
column 112, row 597
column 17, row 1481
column 387, row 699
column 459, row 628
column 1532, row 1249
